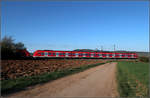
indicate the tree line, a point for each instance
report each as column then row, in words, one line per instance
column 9, row 48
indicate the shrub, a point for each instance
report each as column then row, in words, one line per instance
column 144, row 59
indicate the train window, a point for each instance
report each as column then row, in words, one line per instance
column 57, row 53
column 84, row 54
column 98, row 54
column 117, row 55
column 67, row 53
column 70, row 54
column 53, row 53
column 87, row 54
column 103, row 54
column 95, row 54
column 49, row 54
column 80, row 54
column 45, row 53
column 61, row 54
column 42, row 53
column 76, row 53
column 113, row 55
column 73, row 54
column 110, row 54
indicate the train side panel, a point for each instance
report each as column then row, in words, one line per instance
column 77, row 54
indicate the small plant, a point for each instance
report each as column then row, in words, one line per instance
column 144, row 59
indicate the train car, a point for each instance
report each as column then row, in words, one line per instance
column 79, row 54
column 22, row 53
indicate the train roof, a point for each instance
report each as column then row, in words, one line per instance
column 88, row 51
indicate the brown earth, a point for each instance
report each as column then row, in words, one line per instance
column 99, row 81
column 11, row 69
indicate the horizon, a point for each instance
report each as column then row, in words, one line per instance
column 95, row 50
column 78, row 25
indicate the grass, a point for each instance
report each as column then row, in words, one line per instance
column 14, row 85
column 133, row 79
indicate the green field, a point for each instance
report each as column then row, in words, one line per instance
column 133, row 79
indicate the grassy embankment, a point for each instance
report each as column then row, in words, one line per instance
column 9, row 86
column 133, row 79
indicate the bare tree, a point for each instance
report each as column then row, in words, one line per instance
column 19, row 45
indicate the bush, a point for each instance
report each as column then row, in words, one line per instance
column 144, row 59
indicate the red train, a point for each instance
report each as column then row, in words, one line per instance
column 77, row 54
column 22, row 53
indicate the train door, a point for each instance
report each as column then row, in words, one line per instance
column 100, row 55
column 67, row 54
column 132, row 55
column 92, row 54
column 113, row 55
column 76, row 54
column 57, row 54
column 107, row 55
column 120, row 55
column 83, row 54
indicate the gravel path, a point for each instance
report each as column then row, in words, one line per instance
column 99, row 81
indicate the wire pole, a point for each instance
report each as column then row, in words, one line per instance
column 114, row 48
column 114, row 51
column 101, row 48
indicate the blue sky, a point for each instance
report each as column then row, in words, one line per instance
column 77, row 25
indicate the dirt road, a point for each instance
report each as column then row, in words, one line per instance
column 95, row 82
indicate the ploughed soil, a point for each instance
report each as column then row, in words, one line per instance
column 11, row 69
column 99, row 81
